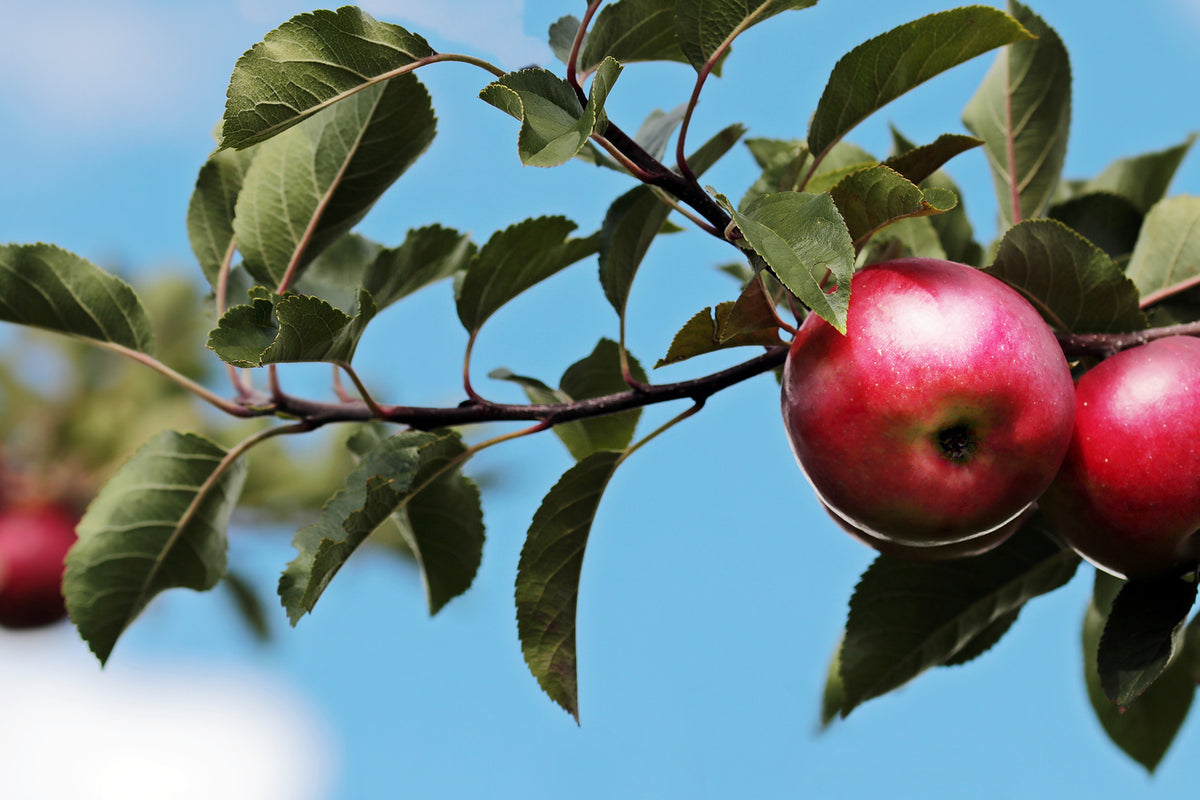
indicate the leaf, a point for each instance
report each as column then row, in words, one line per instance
column 289, row 329
column 210, row 211
column 547, row 586
column 336, row 276
column 873, row 198
column 249, row 605
column 804, row 240
column 908, row 616
column 1070, row 280
column 748, row 322
column 984, row 640
column 1166, row 257
column 878, row 71
column 427, row 255
column 632, row 30
column 309, row 63
column 1022, row 111
column 843, row 159
column 158, row 524
column 638, row 216
column 596, row 375
column 44, row 286
column 306, row 188
column 1140, row 635
column 919, row 163
column 562, row 36
column 832, row 697
column 1143, row 180
column 554, row 124
column 1108, row 221
column 1146, row 729
column 515, row 259
column 414, row 477
column 702, row 27
column 783, row 163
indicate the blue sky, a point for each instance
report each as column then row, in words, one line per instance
column 713, row 590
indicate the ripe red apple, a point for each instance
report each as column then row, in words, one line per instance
column 974, row 546
column 34, row 540
column 1128, row 495
column 941, row 414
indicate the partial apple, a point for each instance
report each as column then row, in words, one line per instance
column 34, row 540
column 942, row 413
column 967, row 548
column 1128, row 495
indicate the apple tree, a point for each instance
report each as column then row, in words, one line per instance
column 328, row 111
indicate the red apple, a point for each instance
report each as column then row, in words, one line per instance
column 1128, row 495
column 34, row 540
column 941, row 414
column 974, row 546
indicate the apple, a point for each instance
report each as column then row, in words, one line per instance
column 975, row 546
column 34, row 540
column 942, row 413
column 1128, row 495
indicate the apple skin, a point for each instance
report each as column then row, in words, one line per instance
column 940, row 416
column 975, row 546
column 34, row 540
column 1128, row 495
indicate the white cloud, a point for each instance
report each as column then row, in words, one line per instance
column 162, row 732
column 84, row 64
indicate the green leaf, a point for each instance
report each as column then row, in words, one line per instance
column 158, row 524
column 289, row 329
column 702, row 27
column 632, row 30
column 804, row 240
column 878, row 196
column 412, row 477
column 918, row 163
column 783, row 163
column 596, row 375
column 308, row 187
column 1166, row 258
column 562, row 36
column 547, row 586
column 908, row 616
column 308, row 64
column 878, row 71
column 427, row 255
column 554, row 124
column 1143, row 180
column 638, row 216
column 747, row 322
column 843, row 159
column 515, row 259
column 832, row 697
column 985, row 640
column 1073, row 283
column 44, row 286
column 249, row 605
column 210, row 211
column 1146, row 729
column 337, row 275
column 1108, row 221
column 1022, row 111
column 1141, row 634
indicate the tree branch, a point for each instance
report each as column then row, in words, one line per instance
column 1104, row 345
column 472, row 412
